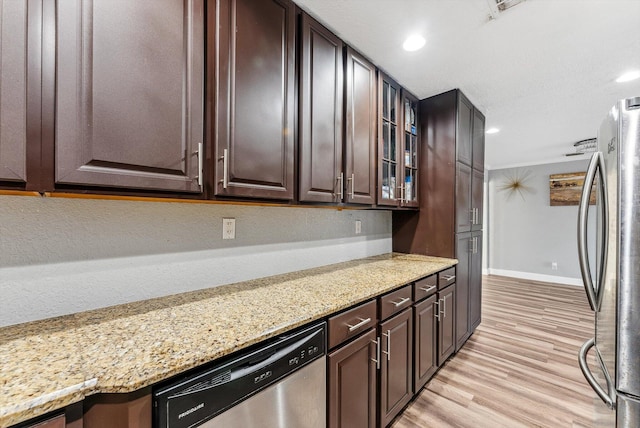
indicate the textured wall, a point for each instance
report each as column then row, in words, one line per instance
column 526, row 234
column 60, row 256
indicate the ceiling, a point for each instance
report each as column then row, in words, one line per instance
column 543, row 71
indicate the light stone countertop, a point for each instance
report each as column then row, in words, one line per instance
column 47, row 365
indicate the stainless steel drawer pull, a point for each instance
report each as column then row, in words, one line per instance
column 448, row 277
column 362, row 321
column 428, row 289
column 443, row 306
column 436, row 313
column 401, row 301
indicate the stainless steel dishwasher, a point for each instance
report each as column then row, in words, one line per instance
column 279, row 385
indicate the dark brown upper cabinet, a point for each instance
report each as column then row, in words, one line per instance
column 129, row 97
column 321, row 92
column 13, row 88
column 390, row 162
column 478, row 140
column 397, row 145
column 253, row 131
column 410, row 152
column 360, row 131
column 465, row 125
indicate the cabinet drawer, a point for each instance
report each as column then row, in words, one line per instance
column 395, row 301
column 352, row 322
column 425, row 287
column 446, row 277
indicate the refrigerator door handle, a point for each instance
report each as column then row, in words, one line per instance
column 582, row 359
column 596, row 165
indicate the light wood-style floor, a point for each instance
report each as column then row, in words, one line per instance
column 520, row 367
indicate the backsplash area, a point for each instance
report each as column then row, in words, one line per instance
column 60, row 256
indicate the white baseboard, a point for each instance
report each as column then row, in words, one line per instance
column 534, row 276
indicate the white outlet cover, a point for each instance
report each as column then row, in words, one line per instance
column 358, row 227
column 228, row 228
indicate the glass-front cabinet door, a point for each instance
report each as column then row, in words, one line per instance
column 410, row 151
column 397, row 145
column 389, row 132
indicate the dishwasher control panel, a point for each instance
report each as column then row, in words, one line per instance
column 198, row 397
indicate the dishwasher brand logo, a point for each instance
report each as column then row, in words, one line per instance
column 191, row 410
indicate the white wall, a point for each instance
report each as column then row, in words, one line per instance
column 60, row 256
column 526, row 234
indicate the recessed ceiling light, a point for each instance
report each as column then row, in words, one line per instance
column 627, row 77
column 493, row 131
column 413, row 43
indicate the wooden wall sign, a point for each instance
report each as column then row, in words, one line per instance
column 565, row 189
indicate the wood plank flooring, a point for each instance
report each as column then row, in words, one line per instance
column 520, row 367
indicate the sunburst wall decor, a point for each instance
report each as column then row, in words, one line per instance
column 516, row 182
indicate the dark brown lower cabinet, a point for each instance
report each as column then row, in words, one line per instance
column 69, row 417
column 352, row 384
column 396, row 366
column 131, row 410
column 425, row 362
column 446, row 322
column 54, row 422
column 464, row 247
column 475, row 282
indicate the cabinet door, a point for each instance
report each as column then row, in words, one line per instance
column 464, row 129
column 352, row 384
column 13, row 89
column 409, row 153
column 464, row 246
column 477, row 192
column 396, row 367
column 360, row 141
column 321, row 95
column 475, row 282
column 425, row 362
column 446, row 323
column 463, row 197
column 478, row 140
column 254, row 115
column 390, row 183
column 129, row 100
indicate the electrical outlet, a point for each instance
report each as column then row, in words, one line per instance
column 554, row 265
column 228, row 228
column 358, row 227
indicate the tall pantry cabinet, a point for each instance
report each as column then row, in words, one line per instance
column 450, row 220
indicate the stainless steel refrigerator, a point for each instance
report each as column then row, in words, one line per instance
column 612, row 280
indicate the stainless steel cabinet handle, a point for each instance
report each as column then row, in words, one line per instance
column 200, row 155
column 388, row 351
column 448, row 277
column 477, row 215
column 582, row 359
column 362, row 321
column 443, row 306
column 472, row 215
column 401, row 302
column 596, row 165
column 427, row 289
column 340, row 180
column 436, row 313
column 352, row 180
column 475, row 245
column 225, row 168
column 377, row 359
